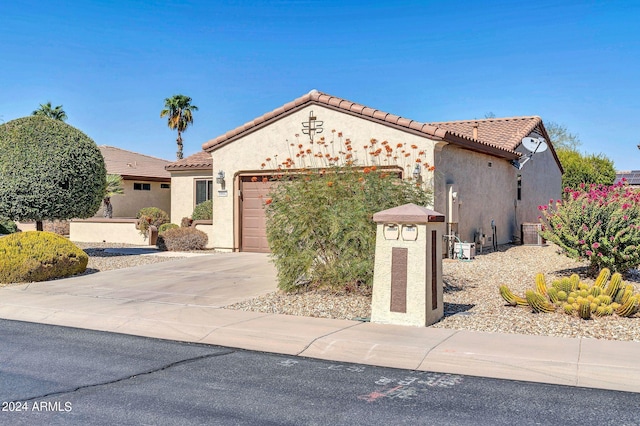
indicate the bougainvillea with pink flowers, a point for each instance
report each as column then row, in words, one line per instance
column 597, row 223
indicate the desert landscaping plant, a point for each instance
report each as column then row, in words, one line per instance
column 182, row 239
column 608, row 295
column 151, row 216
column 48, row 110
column 319, row 217
column 203, row 211
column 166, row 226
column 39, row 256
column 179, row 113
column 48, row 170
column 597, row 223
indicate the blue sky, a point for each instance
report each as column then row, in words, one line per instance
column 111, row 64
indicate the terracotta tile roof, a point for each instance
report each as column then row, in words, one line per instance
column 495, row 146
column 503, row 132
column 198, row 161
column 131, row 165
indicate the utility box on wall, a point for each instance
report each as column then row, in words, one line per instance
column 407, row 276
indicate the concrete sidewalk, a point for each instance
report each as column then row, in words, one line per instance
column 184, row 299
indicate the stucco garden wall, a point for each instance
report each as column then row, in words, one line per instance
column 248, row 153
column 128, row 204
column 106, row 230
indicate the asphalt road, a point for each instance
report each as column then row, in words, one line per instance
column 60, row 376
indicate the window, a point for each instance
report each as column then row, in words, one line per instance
column 165, row 186
column 141, row 186
column 204, row 189
column 519, row 186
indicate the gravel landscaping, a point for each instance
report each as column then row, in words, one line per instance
column 471, row 297
column 100, row 260
column 472, row 300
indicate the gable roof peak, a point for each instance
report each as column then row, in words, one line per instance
column 430, row 131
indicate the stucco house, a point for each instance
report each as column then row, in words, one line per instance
column 191, row 184
column 476, row 181
column 145, row 180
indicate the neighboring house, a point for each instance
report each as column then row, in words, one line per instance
column 145, row 180
column 475, row 183
column 191, row 184
column 632, row 177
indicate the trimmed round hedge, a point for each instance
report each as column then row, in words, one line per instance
column 39, row 256
column 182, row 239
column 48, row 170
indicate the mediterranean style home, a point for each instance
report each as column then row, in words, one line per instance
column 484, row 179
column 145, row 180
column 191, row 184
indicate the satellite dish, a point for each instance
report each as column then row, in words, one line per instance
column 535, row 144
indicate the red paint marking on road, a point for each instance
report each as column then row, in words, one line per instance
column 376, row 395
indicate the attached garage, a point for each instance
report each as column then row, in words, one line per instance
column 253, row 231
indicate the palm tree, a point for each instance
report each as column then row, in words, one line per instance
column 179, row 111
column 47, row 110
column 113, row 187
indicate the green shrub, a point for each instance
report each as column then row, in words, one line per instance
column 182, row 239
column 39, row 256
column 151, row 216
column 7, row 226
column 203, row 211
column 166, row 226
column 48, row 170
column 320, row 224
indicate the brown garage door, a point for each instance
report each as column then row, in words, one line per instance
column 253, row 228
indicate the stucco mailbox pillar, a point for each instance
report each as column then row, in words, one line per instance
column 407, row 276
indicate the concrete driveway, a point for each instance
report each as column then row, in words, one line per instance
column 214, row 280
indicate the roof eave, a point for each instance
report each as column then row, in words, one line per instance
column 477, row 146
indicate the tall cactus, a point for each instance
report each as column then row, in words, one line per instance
column 603, row 277
column 541, row 284
column 614, row 284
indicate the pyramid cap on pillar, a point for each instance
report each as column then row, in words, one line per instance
column 408, row 213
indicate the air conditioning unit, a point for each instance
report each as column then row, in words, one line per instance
column 530, row 234
column 465, row 251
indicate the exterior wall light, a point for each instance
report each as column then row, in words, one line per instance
column 220, row 179
column 417, row 173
